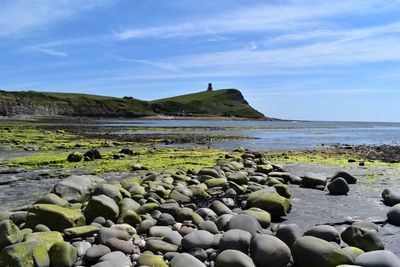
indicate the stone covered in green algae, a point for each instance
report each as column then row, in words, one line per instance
column 283, row 190
column 148, row 208
column 151, row 260
column 81, row 231
column 216, row 182
column 55, row 217
column 239, row 178
column 269, row 201
column 199, row 190
column 75, row 157
column 133, row 180
column 262, row 216
column 45, row 238
column 265, row 168
column 62, row 254
column 188, row 214
column 9, row 233
column 312, row 251
column 130, row 217
column 25, row 254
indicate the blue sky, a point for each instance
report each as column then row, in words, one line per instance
column 317, row 60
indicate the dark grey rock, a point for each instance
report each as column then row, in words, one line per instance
column 379, row 258
column 289, row 233
column 235, row 239
column 267, row 250
column 198, row 239
column 365, row 239
column 325, row 232
column 233, row 258
column 186, row 260
column 350, row 179
column 338, row 186
column 246, row 223
column 96, row 252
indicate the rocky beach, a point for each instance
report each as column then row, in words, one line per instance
column 121, row 204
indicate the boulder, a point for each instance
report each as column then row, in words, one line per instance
column 233, row 258
column 314, row 180
column 81, row 231
column 151, row 260
column 92, row 154
column 173, row 237
column 114, row 259
column 289, row 233
column 186, row 260
column 96, row 252
column 25, row 254
column 76, row 188
column 325, row 232
column 107, row 233
column 394, row 215
column 270, row 201
column 124, row 246
column 9, row 234
column 269, row 251
column 61, row 218
column 62, row 254
column 310, row 251
column 48, row 239
column 156, row 245
column 130, row 217
column 350, row 179
column 390, row 197
column 209, row 226
column 101, row 205
column 265, row 169
column 239, row 178
column 235, row 239
column 110, row 190
column 338, row 186
column 75, row 157
column 198, row 239
column 246, row 223
column 363, row 238
column 378, row 258
column 262, row 216
column 52, row 199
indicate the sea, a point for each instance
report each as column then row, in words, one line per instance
column 271, row 135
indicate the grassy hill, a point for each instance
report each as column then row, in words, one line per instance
column 228, row 102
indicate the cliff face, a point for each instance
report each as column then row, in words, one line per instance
column 53, row 104
column 229, row 102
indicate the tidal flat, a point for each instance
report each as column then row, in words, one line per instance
column 203, row 183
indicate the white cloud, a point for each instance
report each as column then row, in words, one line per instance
column 261, row 18
column 17, row 17
column 50, row 51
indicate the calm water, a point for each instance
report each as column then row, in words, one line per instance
column 278, row 135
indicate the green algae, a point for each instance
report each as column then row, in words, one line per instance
column 151, row 159
column 33, row 137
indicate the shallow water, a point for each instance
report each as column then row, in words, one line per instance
column 276, row 135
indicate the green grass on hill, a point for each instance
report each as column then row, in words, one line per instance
column 226, row 103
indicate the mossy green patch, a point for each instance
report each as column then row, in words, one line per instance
column 151, row 260
column 33, row 137
column 152, row 159
column 81, row 231
column 61, row 218
column 45, row 238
